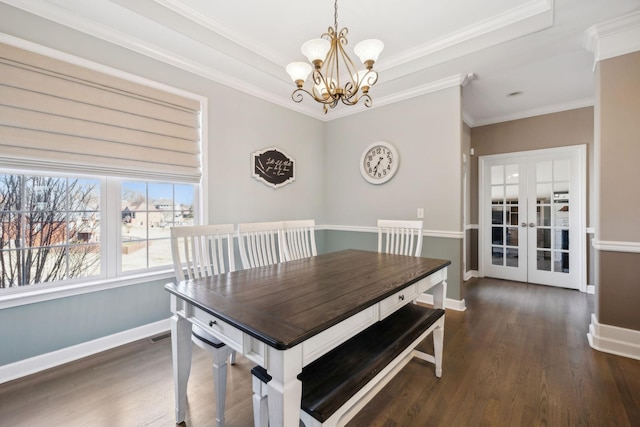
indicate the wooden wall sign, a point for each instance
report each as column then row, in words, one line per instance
column 273, row 167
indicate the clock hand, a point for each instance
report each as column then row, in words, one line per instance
column 375, row 169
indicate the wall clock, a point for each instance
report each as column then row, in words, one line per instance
column 379, row 162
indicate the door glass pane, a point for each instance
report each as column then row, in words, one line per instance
column 544, row 260
column 543, row 171
column 561, row 215
column 497, row 175
column 512, row 236
column 561, row 239
column 497, row 214
column 561, row 262
column 543, row 193
column 512, row 257
column 497, row 235
column 497, row 255
column 512, row 174
column 511, row 193
column 497, row 194
column 562, row 170
column 543, row 216
column 512, row 215
column 543, row 238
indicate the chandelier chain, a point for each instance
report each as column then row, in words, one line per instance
column 335, row 16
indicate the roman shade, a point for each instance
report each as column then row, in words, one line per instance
column 59, row 116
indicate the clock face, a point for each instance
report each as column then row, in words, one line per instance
column 379, row 162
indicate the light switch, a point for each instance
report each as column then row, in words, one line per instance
column 420, row 213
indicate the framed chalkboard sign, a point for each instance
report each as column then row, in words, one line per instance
column 273, row 167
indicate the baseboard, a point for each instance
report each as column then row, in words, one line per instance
column 42, row 362
column 614, row 340
column 453, row 304
column 470, row 274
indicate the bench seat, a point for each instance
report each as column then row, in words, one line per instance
column 341, row 382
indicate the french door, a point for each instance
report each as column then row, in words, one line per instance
column 532, row 216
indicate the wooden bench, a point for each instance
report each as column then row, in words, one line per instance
column 338, row 384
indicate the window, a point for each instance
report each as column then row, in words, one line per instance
column 52, row 227
column 148, row 211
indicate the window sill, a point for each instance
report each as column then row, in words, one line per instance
column 15, row 297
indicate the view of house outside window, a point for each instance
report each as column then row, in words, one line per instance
column 148, row 212
column 50, row 227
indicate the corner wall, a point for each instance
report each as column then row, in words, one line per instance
column 427, row 131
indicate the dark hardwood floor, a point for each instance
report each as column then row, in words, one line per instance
column 518, row 356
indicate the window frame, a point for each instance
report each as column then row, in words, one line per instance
column 110, row 247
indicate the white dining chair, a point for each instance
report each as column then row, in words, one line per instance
column 200, row 251
column 400, row 237
column 300, row 239
column 261, row 243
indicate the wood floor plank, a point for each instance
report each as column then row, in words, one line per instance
column 518, row 356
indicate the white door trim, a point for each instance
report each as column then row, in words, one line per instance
column 582, row 193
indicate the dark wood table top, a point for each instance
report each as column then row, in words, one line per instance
column 287, row 303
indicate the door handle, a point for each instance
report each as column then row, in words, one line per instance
column 531, row 224
column 524, row 224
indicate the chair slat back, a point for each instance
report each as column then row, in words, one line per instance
column 400, row 237
column 199, row 250
column 261, row 243
column 300, row 239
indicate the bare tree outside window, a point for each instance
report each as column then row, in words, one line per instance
column 50, row 229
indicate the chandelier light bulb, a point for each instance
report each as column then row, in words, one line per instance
column 298, row 71
column 368, row 51
column 316, row 51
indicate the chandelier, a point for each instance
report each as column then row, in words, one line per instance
column 332, row 66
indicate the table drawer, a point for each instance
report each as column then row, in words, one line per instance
column 218, row 328
column 429, row 281
column 320, row 344
column 397, row 300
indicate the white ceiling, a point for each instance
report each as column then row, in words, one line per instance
column 529, row 46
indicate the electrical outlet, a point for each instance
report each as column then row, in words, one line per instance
column 420, row 213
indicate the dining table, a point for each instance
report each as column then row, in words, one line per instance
column 286, row 315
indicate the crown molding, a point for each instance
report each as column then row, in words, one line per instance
column 445, row 83
column 613, row 38
column 500, row 22
column 179, row 7
column 589, row 102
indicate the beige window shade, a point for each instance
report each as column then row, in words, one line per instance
column 61, row 116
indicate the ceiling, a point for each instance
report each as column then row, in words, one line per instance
column 492, row 47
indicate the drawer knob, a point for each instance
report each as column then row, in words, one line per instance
column 212, row 322
column 401, row 297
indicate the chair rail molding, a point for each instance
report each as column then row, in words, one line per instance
column 613, row 246
column 361, row 229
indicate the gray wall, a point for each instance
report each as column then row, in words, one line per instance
column 427, row 131
column 328, row 185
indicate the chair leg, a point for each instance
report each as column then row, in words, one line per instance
column 260, row 403
column 232, row 357
column 220, row 382
column 438, row 344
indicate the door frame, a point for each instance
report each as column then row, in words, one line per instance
column 581, row 150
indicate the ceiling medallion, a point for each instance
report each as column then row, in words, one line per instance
column 332, row 66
